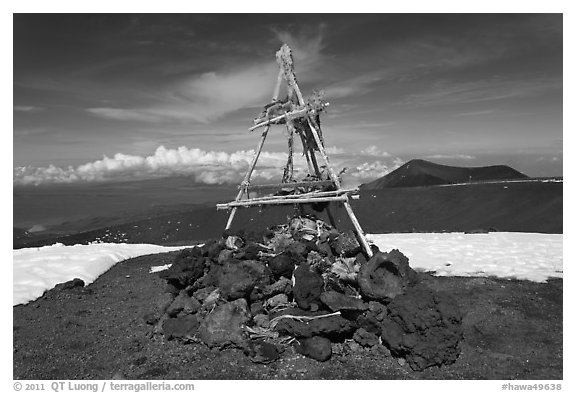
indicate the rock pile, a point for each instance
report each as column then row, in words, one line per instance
column 308, row 285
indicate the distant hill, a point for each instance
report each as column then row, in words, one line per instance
column 418, row 173
column 523, row 206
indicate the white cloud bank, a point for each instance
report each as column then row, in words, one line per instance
column 209, row 167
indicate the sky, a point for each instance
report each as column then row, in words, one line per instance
column 112, row 96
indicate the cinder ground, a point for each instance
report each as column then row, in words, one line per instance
column 512, row 330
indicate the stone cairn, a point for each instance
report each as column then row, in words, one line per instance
column 307, row 285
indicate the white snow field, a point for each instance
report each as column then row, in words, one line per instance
column 39, row 269
column 525, row 256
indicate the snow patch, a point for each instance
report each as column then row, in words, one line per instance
column 524, row 256
column 156, row 269
column 39, row 269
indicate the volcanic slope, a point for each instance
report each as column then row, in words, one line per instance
column 416, row 173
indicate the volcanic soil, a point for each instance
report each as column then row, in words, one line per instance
column 512, row 330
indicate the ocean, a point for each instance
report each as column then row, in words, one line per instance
column 62, row 207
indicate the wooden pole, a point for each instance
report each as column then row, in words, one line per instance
column 280, row 201
column 359, row 231
column 314, row 194
column 321, row 183
column 246, row 180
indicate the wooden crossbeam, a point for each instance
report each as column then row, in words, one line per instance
column 300, row 112
column 279, row 201
column 312, row 194
column 278, row 186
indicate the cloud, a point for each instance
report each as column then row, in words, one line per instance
column 212, row 95
column 306, row 49
column 333, row 150
column 451, row 93
column 202, row 98
column 375, row 151
column 452, row 157
column 368, row 171
column 27, row 108
column 209, row 167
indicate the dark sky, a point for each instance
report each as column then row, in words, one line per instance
column 473, row 89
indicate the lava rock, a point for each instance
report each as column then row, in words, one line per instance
column 237, row 279
column 372, row 319
column 223, row 326
column 188, row 266
column 333, row 326
column 345, row 244
column 324, row 249
column 283, row 285
column 214, row 249
column 172, row 289
column 424, row 327
column 224, row 256
column 261, row 320
column 212, row 300
column 262, row 352
column 318, row 348
column 276, row 301
column 308, row 286
column 249, row 251
column 338, row 301
column 385, row 276
column 360, row 259
column 257, row 308
column 205, row 248
column 282, row 266
column 65, row 286
column 183, row 304
column 184, row 326
column 202, row 293
column 365, row 338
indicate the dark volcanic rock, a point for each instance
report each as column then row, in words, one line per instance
column 237, row 279
column 181, row 327
column 365, row 338
column 385, row 276
column 372, row 319
column 324, row 248
column 346, row 244
column 223, row 326
column 318, row 348
column 188, row 266
column 283, row 285
column 74, row 283
column 333, row 327
column 307, row 287
column 423, row 326
column 183, row 304
column 249, row 251
column 282, row 266
column 262, row 352
column 202, row 293
column 224, row 256
column 338, row 301
column 214, row 249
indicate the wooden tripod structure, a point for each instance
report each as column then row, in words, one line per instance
column 302, row 118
